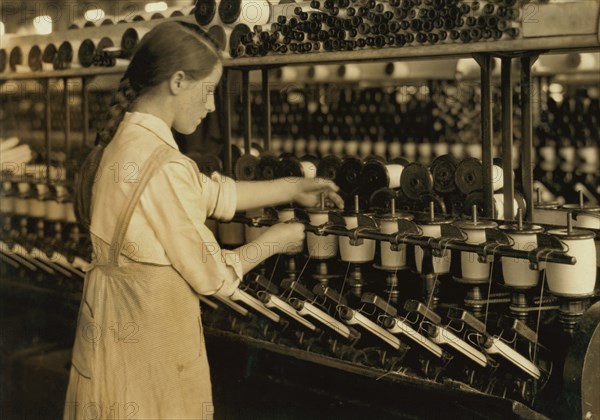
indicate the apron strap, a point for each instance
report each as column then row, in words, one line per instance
column 158, row 157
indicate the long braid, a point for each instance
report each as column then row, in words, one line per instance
column 123, row 101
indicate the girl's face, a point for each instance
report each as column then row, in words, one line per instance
column 196, row 102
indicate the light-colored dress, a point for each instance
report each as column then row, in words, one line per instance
column 139, row 350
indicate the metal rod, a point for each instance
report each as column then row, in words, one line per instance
column 48, row 131
column 247, row 111
column 85, row 101
column 423, row 241
column 267, row 107
column 67, row 120
column 487, row 133
column 507, row 138
column 527, row 134
column 228, row 164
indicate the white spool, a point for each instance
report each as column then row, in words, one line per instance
column 410, row 151
column 516, row 271
column 320, row 72
column 7, row 205
column 285, row 215
column 350, row 72
column 36, row 208
column 472, row 269
column 380, row 148
column 288, row 74
column 457, row 150
column 55, row 210
column 579, row 279
column 309, row 169
column 497, row 178
column 397, row 70
column 499, row 206
column 389, row 258
column 351, row 147
column 325, row 147
column 312, row 146
column 394, row 149
column 590, row 219
column 359, row 253
column 231, row 234
column 395, row 173
column 365, row 148
column 441, row 149
column 320, row 247
column 474, row 150
column 300, row 147
column 425, row 150
column 441, row 265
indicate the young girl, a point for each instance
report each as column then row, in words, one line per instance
column 139, row 349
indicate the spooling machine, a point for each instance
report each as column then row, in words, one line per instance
column 407, row 281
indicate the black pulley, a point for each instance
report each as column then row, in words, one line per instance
column 205, row 11
column 49, row 53
column 474, row 198
column 267, row 167
column 416, row 180
column 289, row 166
column 218, row 35
column 381, row 200
column 230, row 10
column 129, row 40
column 328, row 167
column 34, row 59
column 86, row 53
column 3, row 60
column 239, row 33
column 443, row 170
column 207, row 163
column 236, row 153
column 469, row 175
column 374, row 176
column 246, row 168
column 16, row 58
column 348, row 175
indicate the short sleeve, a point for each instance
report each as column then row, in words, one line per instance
column 176, row 203
column 226, row 197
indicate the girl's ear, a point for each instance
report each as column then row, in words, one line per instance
column 178, row 82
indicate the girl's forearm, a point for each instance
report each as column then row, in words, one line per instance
column 258, row 194
column 257, row 251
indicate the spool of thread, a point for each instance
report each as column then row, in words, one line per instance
column 349, row 72
column 432, row 228
column 441, row 148
column 392, row 259
column 472, row 269
column 516, row 272
column 64, row 56
column 36, row 204
column 7, row 201
column 309, row 169
column 499, row 207
column 359, row 253
column 410, row 151
column 130, row 38
column 325, row 147
column 319, row 72
column 286, row 74
column 590, row 218
column 474, row 150
column 55, row 210
column 351, row 148
column 239, row 32
column 394, row 149
column 221, row 35
column 365, row 148
column 376, row 175
column 574, row 280
column 300, row 147
column 397, row 70
column 248, row 12
column 320, row 247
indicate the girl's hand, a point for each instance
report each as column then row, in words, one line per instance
column 289, row 237
column 310, row 189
